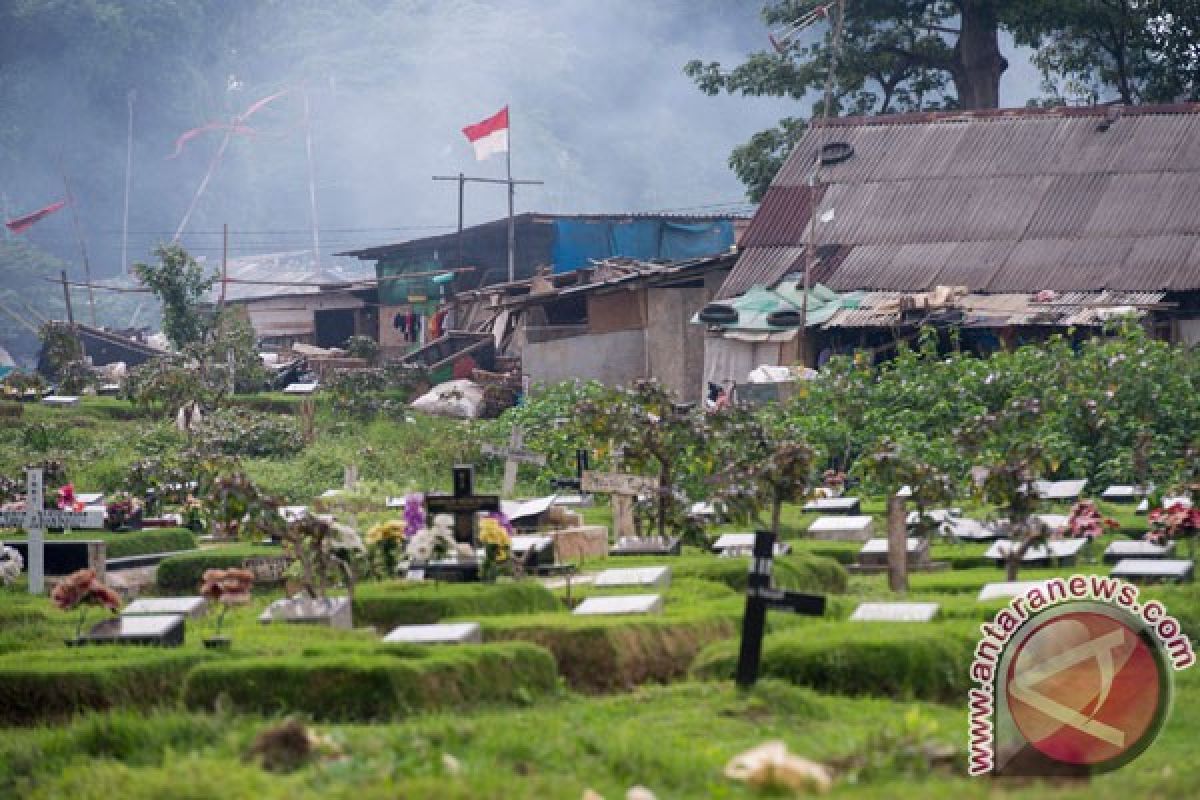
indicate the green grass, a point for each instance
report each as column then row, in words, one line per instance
column 386, row 605
column 122, row 544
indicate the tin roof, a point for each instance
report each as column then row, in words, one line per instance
column 1006, row 201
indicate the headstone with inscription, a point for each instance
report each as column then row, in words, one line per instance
column 624, row 489
column 185, row 606
column 742, row 544
column 35, row 520
column 658, row 577
column 834, row 505
column 443, row 633
column 161, row 630
column 1118, row 551
column 464, row 504
column 849, row 528
column 1156, row 570
column 1061, row 551
column 620, row 604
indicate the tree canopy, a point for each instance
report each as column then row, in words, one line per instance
column 908, row 55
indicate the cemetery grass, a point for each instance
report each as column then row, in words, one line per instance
column 673, row 739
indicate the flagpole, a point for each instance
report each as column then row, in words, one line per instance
column 87, row 267
column 312, row 184
column 512, row 190
column 130, row 97
column 212, row 165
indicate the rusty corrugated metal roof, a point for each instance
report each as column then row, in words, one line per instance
column 1005, row 201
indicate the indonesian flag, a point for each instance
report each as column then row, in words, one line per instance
column 490, row 136
column 21, row 224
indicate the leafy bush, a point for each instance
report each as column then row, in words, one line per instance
column 907, row 661
column 386, row 605
column 799, row 571
column 181, row 574
column 366, row 687
column 39, row 686
column 604, row 655
column 150, row 540
column 238, row 432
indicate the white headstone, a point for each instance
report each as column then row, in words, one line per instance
column 635, row 576
column 833, row 505
column 60, row 400
column 895, row 612
column 1157, row 568
column 525, row 509
column 1059, row 490
column 443, row 633
column 292, row 513
column 743, row 544
column 997, row 591
column 300, row 388
column 624, row 604
column 702, row 509
column 1125, row 493
column 1055, row 548
column 879, row 546
column 187, row 606
column 856, row 528
column 1056, row 523
column 938, row 515
column 139, row 629
column 1120, row 550
column 394, row 503
column 971, row 530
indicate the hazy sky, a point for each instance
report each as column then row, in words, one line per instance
column 601, row 111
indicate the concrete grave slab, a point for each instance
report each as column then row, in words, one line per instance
column 848, row 528
column 333, row 612
column 622, row 604
column 60, row 400
column 1005, row 589
column 443, row 633
column 635, row 576
column 300, row 388
column 895, row 612
column 1063, row 550
column 1060, row 490
column 1118, row 551
column 185, row 606
column 834, row 505
column 163, row 630
column 742, row 544
column 1156, row 570
column 1125, row 493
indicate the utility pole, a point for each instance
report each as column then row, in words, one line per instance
column 87, row 267
column 224, row 263
column 512, row 184
column 814, row 176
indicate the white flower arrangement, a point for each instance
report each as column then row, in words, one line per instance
column 11, row 565
column 428, row 542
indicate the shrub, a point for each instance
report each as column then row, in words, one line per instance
column 238, row 432
column 910, row 661
column 43, row 685
column 799, row 571
column 386, row 605
column 379, row 686
column 603, row 655
column 150, row 540
column 182, row 573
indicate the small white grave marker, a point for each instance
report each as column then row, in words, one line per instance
column 444, row 633
column 187, row 606
column 1161, row 569
column 1122, row 550
column 1125, row 493
column 624, row 604
column 514, row 455
column 851, row 528
column 635, row 576
column 300, row 388
column 1059, row 490
column 1062, row 549
column 834, row 505
column 895, row 612
column 165, row 630
column 742, row 544
column 60, row 400
column 938, row 515
column 997, row 591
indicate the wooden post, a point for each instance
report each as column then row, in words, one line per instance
column 897, row 544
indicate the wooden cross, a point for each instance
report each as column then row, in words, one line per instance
column 464, row 504
column 513, row 456
column 759, row 598
column 623, row 488
column 35, row 520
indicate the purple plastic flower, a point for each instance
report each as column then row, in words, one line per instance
column 414, row 514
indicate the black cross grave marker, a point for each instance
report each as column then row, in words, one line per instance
column 464, row 504
column 581, row 466
column 759, row 598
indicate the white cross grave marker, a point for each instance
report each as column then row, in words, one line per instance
column 514, row 455
column 35, row 520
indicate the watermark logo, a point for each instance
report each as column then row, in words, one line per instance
column 1074, row 677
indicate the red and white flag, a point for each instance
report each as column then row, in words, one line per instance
column 490, row 136
column 21, row 224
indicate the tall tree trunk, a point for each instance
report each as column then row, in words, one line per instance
column 978, row 63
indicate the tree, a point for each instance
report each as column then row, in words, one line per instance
column 1140, row 51
column 179, row 283
column 766, row 462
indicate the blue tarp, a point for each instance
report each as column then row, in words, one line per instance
column 576, row 241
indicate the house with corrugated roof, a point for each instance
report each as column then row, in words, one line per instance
column 1005, row 224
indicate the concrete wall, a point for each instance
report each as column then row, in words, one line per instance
column 675, row 348
column 611, row 358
